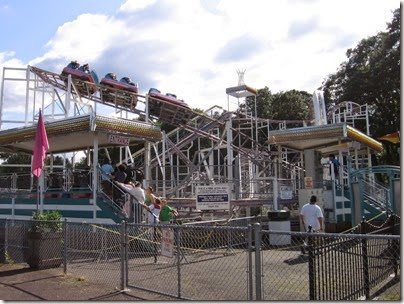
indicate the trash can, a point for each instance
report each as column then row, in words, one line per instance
column 279, row 220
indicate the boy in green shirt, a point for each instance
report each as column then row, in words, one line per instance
column 165, row 212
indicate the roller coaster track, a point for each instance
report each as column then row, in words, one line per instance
column 200, row 125
column 61, row 82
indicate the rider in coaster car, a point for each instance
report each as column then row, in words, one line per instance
column 127, row 80
column 73, row 65
column 110, row 76
column 154, row 90
column 85, row 68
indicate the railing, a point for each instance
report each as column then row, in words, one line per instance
column 65, row 180
column 220, row 263
column 376, row 194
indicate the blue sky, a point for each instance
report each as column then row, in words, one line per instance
column 33, row 23
column 191, row 47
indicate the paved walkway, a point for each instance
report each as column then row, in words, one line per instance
column 20, row 283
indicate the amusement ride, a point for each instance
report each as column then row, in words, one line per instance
column 214, row 148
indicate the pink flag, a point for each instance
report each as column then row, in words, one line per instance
column 40, row 148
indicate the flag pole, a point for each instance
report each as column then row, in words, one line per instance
column 40, row 147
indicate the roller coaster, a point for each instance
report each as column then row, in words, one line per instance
column 214, row 147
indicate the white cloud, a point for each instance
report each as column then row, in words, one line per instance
column 174, row 45
column 134, row 5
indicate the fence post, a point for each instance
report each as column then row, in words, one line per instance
column 126, row 255
column 250, row 263
column 312, row 275
column 177, row 237
column 6, row 240
column 65, row 246
column 365, row 261
column 258, row 292
column 123, row 247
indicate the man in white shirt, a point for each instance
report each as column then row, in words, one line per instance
column 311, row 215
column 135, row 191
column 138, row 193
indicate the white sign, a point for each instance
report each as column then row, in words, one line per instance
column 167, row 242
column 117, row 139
column 286, row 192
column 214, row 197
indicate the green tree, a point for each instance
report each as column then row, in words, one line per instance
column 371, row 74
column 288, row 105
column 291, row 105
column 15, row 159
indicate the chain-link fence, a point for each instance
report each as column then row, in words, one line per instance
column 213, row 263
column 318, row 266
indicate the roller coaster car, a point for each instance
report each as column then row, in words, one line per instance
column 123, row 91
column 86, row 85
column 168, row 108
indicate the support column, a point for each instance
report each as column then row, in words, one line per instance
column 147, row 170
column 230, row 157
column 95, row 174
column 41, row 190
column 27, row 99
column 68, row 93
column 2, row 97
column 275, row 186
column 164, row 163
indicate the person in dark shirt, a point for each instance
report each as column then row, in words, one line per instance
column 336, row 164
column 120, row 176
column 129, row 175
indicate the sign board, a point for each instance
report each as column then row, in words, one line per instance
column 285, row 192
column 214, row 197
column 117, row 139
column 167, row 242
column 308, row 182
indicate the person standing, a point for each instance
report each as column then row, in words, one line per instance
column 139, row 195
column 149, row 196
column 155, row 209
column 107, row 172
column 336, row 164
column 165, row 212
column 311, row 215
column 120, row 176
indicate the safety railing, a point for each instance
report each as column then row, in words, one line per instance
column 219, row 263
column 66, row 180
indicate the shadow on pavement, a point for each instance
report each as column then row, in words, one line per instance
column 15, row 271
column 114, row 294
column 23, row 291
column 299, row 260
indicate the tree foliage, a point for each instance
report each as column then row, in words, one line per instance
column 288, row 105
column 371, row 74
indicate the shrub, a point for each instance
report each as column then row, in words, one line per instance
column 48, row 221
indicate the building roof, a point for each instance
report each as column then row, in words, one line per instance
column 316, row 137
column 78, row 133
